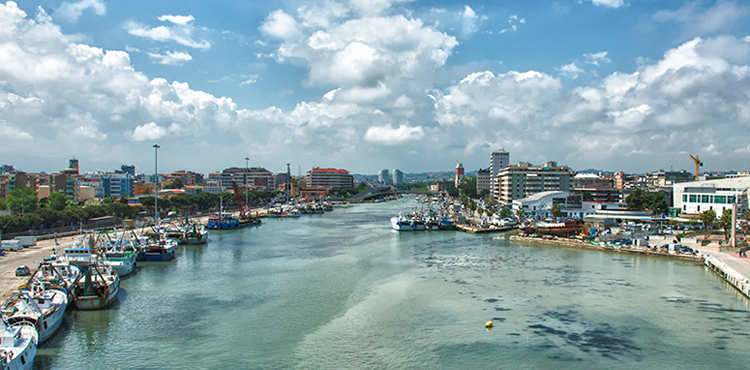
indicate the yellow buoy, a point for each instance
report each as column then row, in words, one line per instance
column 488, row 324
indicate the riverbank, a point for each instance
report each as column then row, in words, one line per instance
column 567, row 242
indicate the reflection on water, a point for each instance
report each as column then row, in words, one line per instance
column 343, row 290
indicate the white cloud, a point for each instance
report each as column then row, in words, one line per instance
column 722, row 16
column 72, row 11
column 177, row 19
column 172, row 57
column 58, row 93
column 180, row 32
column 597, row 59
column 249, row 79
column 571, row 70
column 387, row 135
column 470, row 19
column 148, row 131
column 281, row 25
column 608, row 3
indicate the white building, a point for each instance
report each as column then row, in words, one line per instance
column 398, row 176
column 383, row 177
column 540, row 204
column 498, row 161
column 692, row 198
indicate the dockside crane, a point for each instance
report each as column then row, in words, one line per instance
column 698, row 164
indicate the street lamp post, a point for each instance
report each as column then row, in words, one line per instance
column 247, row 169
column 156, row 183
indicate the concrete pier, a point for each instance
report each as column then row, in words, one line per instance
column 734, row 270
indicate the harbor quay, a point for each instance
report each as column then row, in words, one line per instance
column 461, row 266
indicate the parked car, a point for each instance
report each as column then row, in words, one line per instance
column 23, row 270
column 686, row 249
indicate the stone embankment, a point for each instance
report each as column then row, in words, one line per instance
column 576, row 243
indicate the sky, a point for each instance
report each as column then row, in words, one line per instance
column 619, row 85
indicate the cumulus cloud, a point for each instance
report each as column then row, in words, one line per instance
column 387, row 135
column 148, row 131
column 59, row 93
column 181, row 31
column 72, row 11
column 652, row 114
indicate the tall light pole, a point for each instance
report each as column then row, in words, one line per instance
column 247, row 169
column 156, row 183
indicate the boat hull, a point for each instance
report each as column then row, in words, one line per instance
column 400, row 226
column 96, row 302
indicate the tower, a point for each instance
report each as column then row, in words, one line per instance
column 459, row 173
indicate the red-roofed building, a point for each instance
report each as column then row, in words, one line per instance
column 329, row 178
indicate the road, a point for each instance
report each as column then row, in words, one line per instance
column 31, row 257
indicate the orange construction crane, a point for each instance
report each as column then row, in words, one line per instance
column 698, row 164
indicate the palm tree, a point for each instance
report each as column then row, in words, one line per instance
column 707, row 218
column 726, row 222
column 520, row 213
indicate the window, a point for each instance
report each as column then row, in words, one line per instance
column 693, row 198
column 704, row 198
column 731, row 199
column 684, row 197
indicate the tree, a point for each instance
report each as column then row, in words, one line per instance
column 506, row 212
column 124, row 199
column 57, row 201
column 22, row 200
column 555, row 210
column 636, row 200
column 520, row 213
column 175, row 184
column 468, row 186
column 452, row 190
column 657, row 202
column 708, row 217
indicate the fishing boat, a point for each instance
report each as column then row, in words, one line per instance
column 401, row 223
column 41, row 308
column 223, row 222
column 18, row 346
column 97, row 287
column 161, row 249
column 196, row 233
column 121, row 256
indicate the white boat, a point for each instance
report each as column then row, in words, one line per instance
column 401, row 223
column 121, row 256
column 196, row 233
column 18, row 345
column 41, row 307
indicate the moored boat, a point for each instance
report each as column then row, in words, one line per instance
column 97, row 287
column 196, row 233
column 161, row 249
column 41, row 307
column 18, row 345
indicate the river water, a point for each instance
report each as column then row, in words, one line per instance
column 344, row 290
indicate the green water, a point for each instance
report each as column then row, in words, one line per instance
column 343, row 290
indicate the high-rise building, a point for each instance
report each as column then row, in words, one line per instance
column 499, row 160
column 253, row 176
column 459, row 174
column 483, row 180
column 398, row 176
column 329, row 178
column 523, row 180
column 73, row 164
column 383, row 177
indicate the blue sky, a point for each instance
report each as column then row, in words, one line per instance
column 416, row 85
